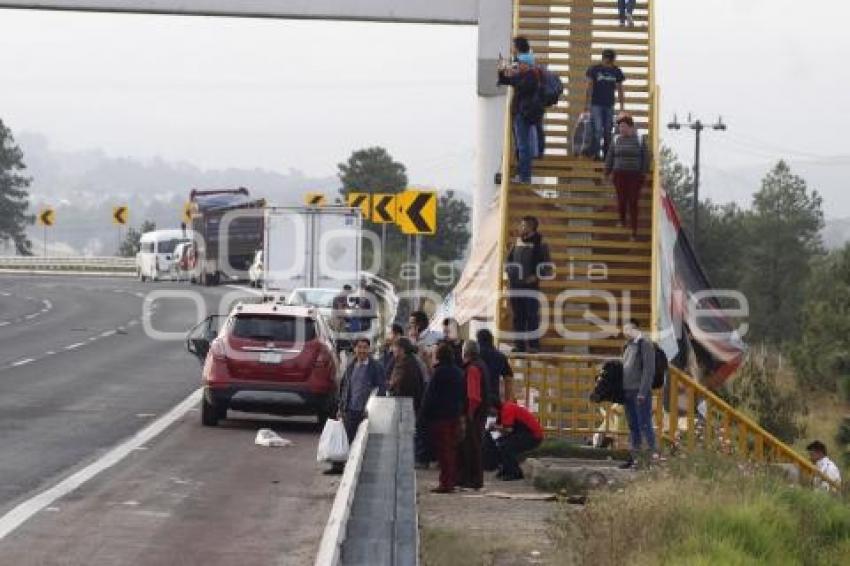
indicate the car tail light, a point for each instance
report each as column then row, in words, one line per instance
column 323, row 360
column 217, row 350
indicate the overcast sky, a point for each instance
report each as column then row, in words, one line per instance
column 286, row 94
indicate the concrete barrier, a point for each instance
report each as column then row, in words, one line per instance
column 373, row 521
column 39, row 265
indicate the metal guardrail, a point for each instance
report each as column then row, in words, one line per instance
column 69, row 264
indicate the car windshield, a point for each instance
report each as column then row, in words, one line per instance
column 167, row 246
column 274, row 328
column 322, row 298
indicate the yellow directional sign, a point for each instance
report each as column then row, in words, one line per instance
column 383, row 208
column 361, row 201
column 120, row 215
column 315, row 199
column 417, row 212
column 47, row 217
column 187, row 213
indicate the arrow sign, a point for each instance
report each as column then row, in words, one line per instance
column 417, row 212
column 187, row 213
column 314, row 199
column 119, row 215
column 361, row 201
column 383, row 208
column 46, row 217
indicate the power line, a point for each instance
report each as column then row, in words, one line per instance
column 697, row 126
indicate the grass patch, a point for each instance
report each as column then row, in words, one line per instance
column 709, row 512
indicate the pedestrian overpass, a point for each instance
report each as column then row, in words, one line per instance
column 602, row 277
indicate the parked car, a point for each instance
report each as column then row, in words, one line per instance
column 266, row 358
column 255, row 272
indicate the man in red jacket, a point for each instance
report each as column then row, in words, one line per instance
column 520, row 433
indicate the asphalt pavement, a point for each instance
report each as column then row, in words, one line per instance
column 80, row 377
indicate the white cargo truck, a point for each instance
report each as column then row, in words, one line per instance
column 311, row 247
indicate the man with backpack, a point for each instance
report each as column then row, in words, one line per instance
column 639, row 365
column 526, row 111
column 603, row 81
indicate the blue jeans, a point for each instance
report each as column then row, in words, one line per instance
column 626, row 7
column 525, row 134
column 603, row 125
column 639, row 416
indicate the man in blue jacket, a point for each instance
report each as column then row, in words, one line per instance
column 362, row 376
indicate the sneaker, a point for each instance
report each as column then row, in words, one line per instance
column 628, row 465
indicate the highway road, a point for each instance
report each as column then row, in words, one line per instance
column 80, row 378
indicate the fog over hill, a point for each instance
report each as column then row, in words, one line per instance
column 83, row 187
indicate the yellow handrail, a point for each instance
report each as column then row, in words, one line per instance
column 730, row 416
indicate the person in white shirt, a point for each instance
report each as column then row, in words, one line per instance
column 817, row 454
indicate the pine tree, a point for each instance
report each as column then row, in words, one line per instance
column 14, row 198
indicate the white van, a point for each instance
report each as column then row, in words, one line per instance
column 156, row 253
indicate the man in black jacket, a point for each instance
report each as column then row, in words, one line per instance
column 526, row 262
column 526, row 109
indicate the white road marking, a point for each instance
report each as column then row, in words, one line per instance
column 47, row 304
column 50, row 353
column 93, row 338
column 6, row 294
column 74, row 346
column 140, row 295
column 25, row 510
column 22, row 362
column 133, row 323
column 31, row 316
column 107, row 334
column 4, row 323
column 145, row 415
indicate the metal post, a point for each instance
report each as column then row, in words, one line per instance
column 45, row 240
column 698, row 127
column 383, row 248
column 418, row 269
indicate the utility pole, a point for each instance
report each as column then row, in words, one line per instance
column 697, row 126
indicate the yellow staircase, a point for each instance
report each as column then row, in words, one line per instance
column 576, row 207
column 578, row 218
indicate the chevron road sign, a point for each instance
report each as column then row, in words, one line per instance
column 361, row 201
column 47, row 217
column 383, row 208
column 417, row 212
column 120, row 214
column 315, row 199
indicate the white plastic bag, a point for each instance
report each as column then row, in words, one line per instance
column 268, row 437
column 333, row 444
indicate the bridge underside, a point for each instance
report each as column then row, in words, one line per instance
column 459, row 12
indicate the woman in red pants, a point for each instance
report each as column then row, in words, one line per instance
column 627, row 164
column 442, row 408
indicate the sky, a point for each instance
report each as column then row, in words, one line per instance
column 276, row 94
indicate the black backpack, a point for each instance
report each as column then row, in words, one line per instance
column 661, row 364
column 551, row 87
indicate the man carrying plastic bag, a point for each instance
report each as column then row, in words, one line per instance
column 362, row 376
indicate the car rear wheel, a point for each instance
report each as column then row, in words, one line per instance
column 211, row 413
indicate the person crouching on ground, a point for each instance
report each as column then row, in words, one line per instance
column 442, row 409
column 627, row 164
column 476, row 409
column 817, row 455
column 520, row 433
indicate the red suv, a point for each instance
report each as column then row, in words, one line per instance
column 266, row 358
